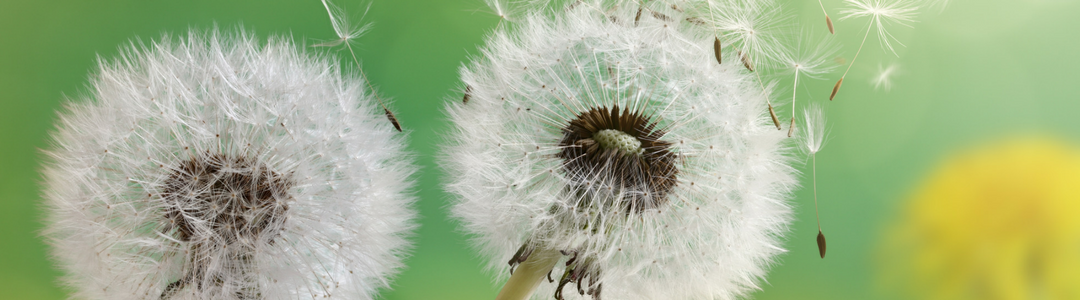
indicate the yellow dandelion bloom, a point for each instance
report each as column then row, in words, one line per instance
column 1001, row 222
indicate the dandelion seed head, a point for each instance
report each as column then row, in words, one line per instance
column 216, row 166
column 622, row 143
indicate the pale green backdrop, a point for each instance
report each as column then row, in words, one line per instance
column 977, row 71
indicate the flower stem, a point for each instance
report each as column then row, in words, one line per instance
column 528, row 275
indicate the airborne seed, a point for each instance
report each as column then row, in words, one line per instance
column 821, row 243
column 392, row 119
column 836, row 88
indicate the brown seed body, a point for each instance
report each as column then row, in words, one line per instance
column 746, row 61
column 791, row 128
column 716, row 50
column 836, row 88
column 775, row 120
column 821, row 243
column 696, row 20
column 661, row 16
column 828, row 22
column 393, row 120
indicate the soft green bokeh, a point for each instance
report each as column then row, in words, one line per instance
column 979, row 70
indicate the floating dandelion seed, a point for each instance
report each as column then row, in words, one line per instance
column 215, row 166
column 814, row 138
column 617, row 159
column 828, row 20
column 346, row 33
column 882, row 13
column 808, row 61
column 883, row 79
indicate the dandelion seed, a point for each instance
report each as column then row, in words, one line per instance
column 584, row 183
column 697, row 21
column 813, row 139
column 811, row 62
column 821, row 243
column 775, row 120
column 746, row 61
column 393, row 120
column 468, row 94
column 661, row 16
column 836, row 88
column 828, row 20
column 214, row 166
column 828, row 23
column 881, row 13
column 716, row 50
column 346, row 33
column 883, row 79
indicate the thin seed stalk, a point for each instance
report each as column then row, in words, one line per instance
column 529, row 274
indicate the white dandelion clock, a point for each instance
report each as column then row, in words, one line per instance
column 215, row 166
column 608, row 151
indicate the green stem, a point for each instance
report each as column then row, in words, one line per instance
column 528, row 275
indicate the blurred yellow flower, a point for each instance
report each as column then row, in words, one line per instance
column 1000, row 222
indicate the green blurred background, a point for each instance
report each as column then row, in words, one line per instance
column 978, row 71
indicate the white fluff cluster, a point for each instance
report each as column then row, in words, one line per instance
column 218, row 166
column 698, row 214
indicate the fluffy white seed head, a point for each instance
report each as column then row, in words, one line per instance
column 217, row 166
column 696, row 215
